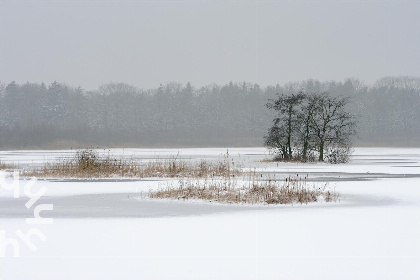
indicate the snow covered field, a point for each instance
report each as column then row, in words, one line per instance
column 102, row 230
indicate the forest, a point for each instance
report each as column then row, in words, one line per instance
column 36, row 115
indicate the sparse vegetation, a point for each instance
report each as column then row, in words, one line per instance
column 4, row 166
column 289, row 191
column 220, row 181
column 88, row 163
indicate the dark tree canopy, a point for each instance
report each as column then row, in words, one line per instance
column 309, row 125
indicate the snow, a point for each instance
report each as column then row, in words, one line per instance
column 373, row 233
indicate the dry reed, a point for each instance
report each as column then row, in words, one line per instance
column 4, row 166
column 289, row 191
column 89, row 164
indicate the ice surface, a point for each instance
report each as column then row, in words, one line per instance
column 373, row 233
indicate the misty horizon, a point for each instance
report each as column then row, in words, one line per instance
column 34, row 115
column 397, row 80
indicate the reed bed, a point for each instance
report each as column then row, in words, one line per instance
column 89, row 164
column 4, row 166
column 221, row 181
column 288, row 191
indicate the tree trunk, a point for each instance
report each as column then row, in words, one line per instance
column 305, row 149
column 306, row 141
column 321, row 151
column 289, row 133
column 284, row 150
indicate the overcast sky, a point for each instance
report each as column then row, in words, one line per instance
column 146, row 43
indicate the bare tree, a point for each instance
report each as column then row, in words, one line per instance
column 276, row 139
column 304, row 119
column 282, row 133
column 333, row 126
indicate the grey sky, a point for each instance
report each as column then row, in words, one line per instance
column 146, row 43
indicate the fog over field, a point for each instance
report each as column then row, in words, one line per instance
column 34, row 115
column 190, row 139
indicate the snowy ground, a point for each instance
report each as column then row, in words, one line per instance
column 102, row 230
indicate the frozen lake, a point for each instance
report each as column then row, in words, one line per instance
column 102, row 230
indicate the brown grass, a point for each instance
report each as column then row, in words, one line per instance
column 203, row 180
column 4, row 166
column 289, row 191
column 89, row 164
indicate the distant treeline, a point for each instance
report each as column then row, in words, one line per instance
column 36, row 115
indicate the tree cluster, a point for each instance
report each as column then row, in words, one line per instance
column 311, row 126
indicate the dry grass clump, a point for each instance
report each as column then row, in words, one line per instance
column 178, row 168
column 291, row 190
column 4, row 166
column 89, row 164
